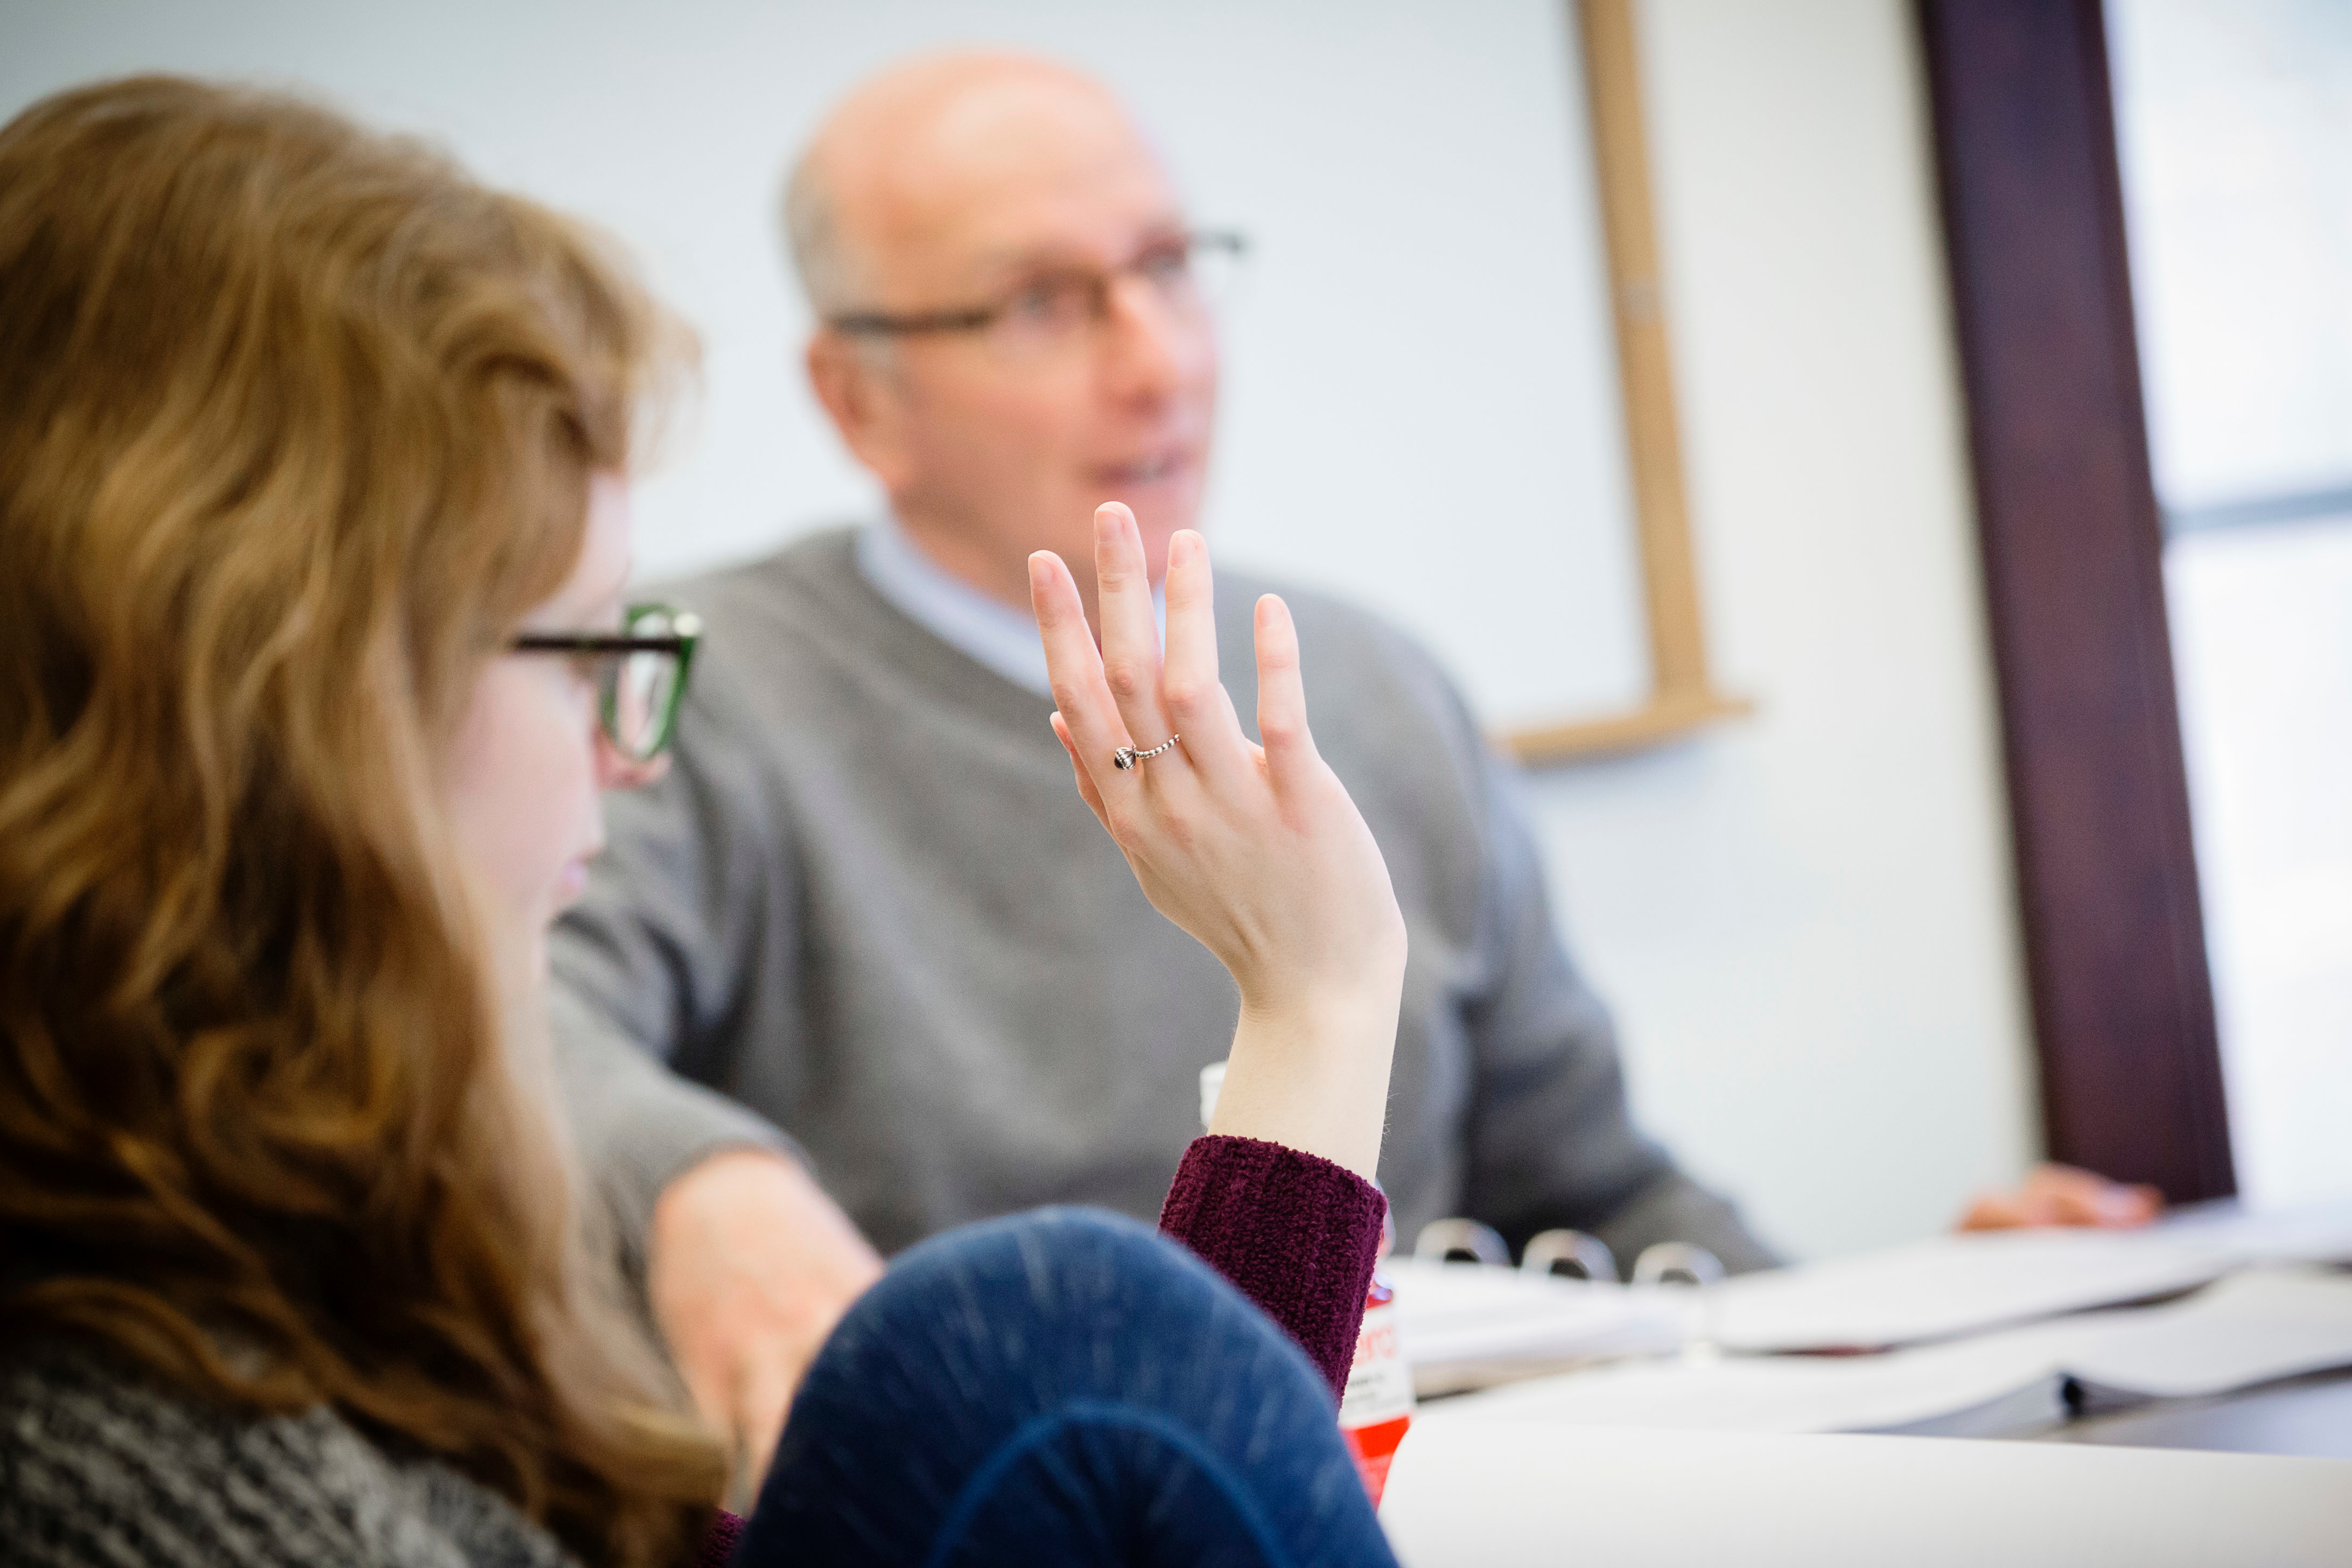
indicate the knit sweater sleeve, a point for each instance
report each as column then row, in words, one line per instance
column 719, row 1545
column 1296, row 1232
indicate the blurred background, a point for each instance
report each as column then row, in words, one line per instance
column 1807, row 920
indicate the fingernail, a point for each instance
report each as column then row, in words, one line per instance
column 1039, row 572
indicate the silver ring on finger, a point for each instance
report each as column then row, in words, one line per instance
column 1126, row 757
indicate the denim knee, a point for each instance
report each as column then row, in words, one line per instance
column 1065, row 1246
column 1060, row 1373
column 1035, row 1289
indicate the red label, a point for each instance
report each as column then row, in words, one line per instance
column 1374, row 1448
column 1377, row 1407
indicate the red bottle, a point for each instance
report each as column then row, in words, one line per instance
column 1378, row 1404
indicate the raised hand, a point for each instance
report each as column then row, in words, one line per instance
column 1255, row 850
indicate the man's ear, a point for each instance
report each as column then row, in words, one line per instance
column 863, row 401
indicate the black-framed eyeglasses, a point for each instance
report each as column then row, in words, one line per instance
column 1058, row 307
column 640, row 673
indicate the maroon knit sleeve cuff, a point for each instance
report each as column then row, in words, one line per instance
column 719, row 1545
column 1299, row 1234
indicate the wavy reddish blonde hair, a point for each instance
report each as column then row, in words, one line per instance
column 298, row 423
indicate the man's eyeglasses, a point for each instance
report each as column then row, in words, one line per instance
column 1057, row 308
column 639, row 670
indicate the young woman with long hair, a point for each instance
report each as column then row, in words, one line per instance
column 312, row 660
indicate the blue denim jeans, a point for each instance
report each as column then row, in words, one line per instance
column 1063, row 1387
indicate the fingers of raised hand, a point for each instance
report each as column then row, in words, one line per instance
column 1291, row 758
column 1191, row 695
column 1130, row 633
column 1189, row 671
column 1182, row 696
column 1090, row 726
column 1086, row 790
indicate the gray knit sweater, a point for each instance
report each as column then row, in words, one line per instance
column 98, row 1468
column 867, row 908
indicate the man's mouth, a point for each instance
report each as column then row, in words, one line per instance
column 1148, row 470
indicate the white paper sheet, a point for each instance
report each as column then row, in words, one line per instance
column 1794, row 1393
column 2250, row 1329
column 1952, row 1285
column 2311, row 1233
column 1505, row 1495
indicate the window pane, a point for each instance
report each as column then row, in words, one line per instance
column 2262, row 627
column 2234, row 124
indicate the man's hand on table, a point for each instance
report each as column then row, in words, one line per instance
column 2065, row 1195
column 748, row 1266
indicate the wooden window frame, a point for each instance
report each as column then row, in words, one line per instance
column 2072, row 555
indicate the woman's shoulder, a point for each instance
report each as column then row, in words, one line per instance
column 99, row 1465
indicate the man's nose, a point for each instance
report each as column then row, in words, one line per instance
column 1146, row 345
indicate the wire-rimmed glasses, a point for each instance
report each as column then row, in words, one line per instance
column 640, row 673
column 1057, row 309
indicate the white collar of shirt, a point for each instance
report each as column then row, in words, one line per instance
column 985, row 630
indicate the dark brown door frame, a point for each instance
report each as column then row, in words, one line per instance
column 2032, row 203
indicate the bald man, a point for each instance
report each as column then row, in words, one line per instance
column 867, row 928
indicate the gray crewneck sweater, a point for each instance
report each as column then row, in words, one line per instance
column 98, row 1465
column 867, row 908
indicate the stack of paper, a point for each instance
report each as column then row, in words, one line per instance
column 1461, row 1325
column 2249, row 1329
column 1465, row 1326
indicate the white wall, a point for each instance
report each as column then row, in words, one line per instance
column 1806, row 923
column 1421, row 351
column 1803, row 921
